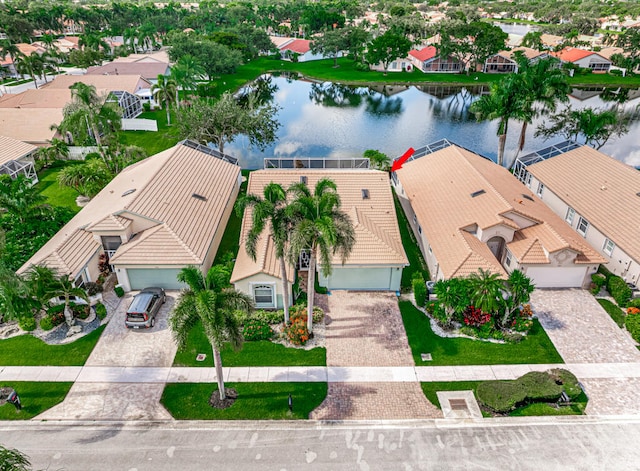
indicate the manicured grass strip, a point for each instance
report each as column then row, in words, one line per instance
column 536, row 409
column 256, row 401
column 229, row 245
column 153, row 142
column 26, row 350
column 35, row 397
column 262, row 353
column 57, row 195
column 535, row 348
column 411, row 248
column 613, row 310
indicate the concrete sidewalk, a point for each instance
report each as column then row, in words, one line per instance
column 357, row 374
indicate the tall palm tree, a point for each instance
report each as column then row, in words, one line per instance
column 211, row 301
column 165, row 90
column 321, row 227
column 31, row 65
column 14, row 292
column 186, row 72
column 20, row 198
column 520, row 288
column 48, row 284
column 505, row 101
column 271, row 209
column 7, row 48
column 487, row 290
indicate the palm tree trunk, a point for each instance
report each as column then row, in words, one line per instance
column 285, row 289
column 523, row 136
column 68, row 315
column 96, row 135
column 177, row 98
column 168, row 113
column 217, row 363
column 502, row 140
column 311, row 289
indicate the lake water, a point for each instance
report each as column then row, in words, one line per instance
column 330, row 120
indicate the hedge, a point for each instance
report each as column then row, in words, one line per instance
column 619, row 290
column 419, row 289
column 632, row 323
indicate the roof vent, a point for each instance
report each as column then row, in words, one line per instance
column 303, row 179
column 365, row 194
column 477, row 193
column 128, row 192
column 527, row 197
column 199, row 197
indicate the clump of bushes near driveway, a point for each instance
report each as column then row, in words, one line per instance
column 46, row 323
column 502, row 397
column 598, row 280
column 419, row 289
column 632, row 322
column 256, row 329
column 101, row 311
column 27, row 323
column 616, row 287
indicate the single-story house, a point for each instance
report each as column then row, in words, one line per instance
column 148, row 70
column 504, row 61
column 154, row 218
column 7, row 63
column 428, row 60
column 598, row 197
column 153, row 57
column 16, row 158
column 377, row 258
column 298, row 48
column 468, row 213
column 583, row 58
column 551, row 41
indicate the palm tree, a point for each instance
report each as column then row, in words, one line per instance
column 186, row 72
column 7, row 48
column 453, row 295
column 378, row 160
column 505, row 101
column 87, row 178
column 31, row 65
column 520, row 288
column 270, row 209
column 14, row 292
column 487, row 290
column 20, row 198
column 320, row 227
column 47, row 284
column 165, row 90
column 211, row 301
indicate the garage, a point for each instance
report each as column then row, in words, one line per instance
column 374, row 278
column 557, row 277
column 166, row 278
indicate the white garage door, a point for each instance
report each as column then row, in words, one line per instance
column 360, row 278
column 557, row 277
column 140, row 278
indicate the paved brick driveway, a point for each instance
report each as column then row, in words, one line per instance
column 365, row 329
column 119, row 346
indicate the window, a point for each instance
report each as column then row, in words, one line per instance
column 570, row 215
column 583, row 225
column 111, row 242
column 430, row 251
column 263, row 296
column 415, row 218
column 419, row 228
column 507, row 259
column 608, row 246
column 528, row 180
column 540, row 190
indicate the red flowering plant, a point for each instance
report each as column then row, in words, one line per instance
column 475, row 317
column 297, row 331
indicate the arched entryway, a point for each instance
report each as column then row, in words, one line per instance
column 497, row 244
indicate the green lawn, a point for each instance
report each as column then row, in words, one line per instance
column 26, row 350
column 613, row 310
column 57, row 195
column 256, row 401
column 229, row 244
column 36, row 397
column 536, row 409
column 411, row 248
column 263, row 353
column 535, row 348
column 153, row 142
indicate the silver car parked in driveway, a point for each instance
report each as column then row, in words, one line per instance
column 144, row 308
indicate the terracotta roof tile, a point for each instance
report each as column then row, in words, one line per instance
column 424, row 54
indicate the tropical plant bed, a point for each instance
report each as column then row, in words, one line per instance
column 255, row 401
column 36, row 397
column 536, row 347
column 26, row 350
column 576, row 407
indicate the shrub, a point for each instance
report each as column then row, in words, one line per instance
column 633, row 310
column 269, row 317
column 500, row 396
column 539, row 386
column 57, row 318
column 81, row 311
column 92, row 288
column 598, row 279
column 634, row 303
column 56, row 309
column 619, row 290
column 27, row 323
column 419, row 289
column 46, row 323
column 146, row 106
column 255, row 329
column 300, row 312
column 474, row 317
column 101, row 311
column 119, row 291
column 297, row 331
column 632, row 323
column 615, row 72
column 207, row 89
column 570, row 383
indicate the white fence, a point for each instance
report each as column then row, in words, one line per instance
column 137, row 124
column 79, row 153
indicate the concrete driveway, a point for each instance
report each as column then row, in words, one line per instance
column 122, row 347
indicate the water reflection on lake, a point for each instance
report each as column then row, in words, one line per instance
column 332, row 120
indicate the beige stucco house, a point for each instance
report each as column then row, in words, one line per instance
column 598, row 197
column 376, row 261
column 156, row 217
column 468, row 214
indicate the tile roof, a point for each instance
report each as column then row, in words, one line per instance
column 30, row 124
column 301, row 46
column 600, row 188
column 110, row 223
column 103, row 83
column 572, row 54
column 441, row 187
column 526, row 51
column 172, row 226
column 36, row 98
column 377, row 235
column 424, row 54
column 13, row 149
column 149, row 70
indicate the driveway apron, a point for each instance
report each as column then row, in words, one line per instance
column 122, row 347
column 366, row 329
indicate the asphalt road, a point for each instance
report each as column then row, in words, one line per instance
column 496, row 444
